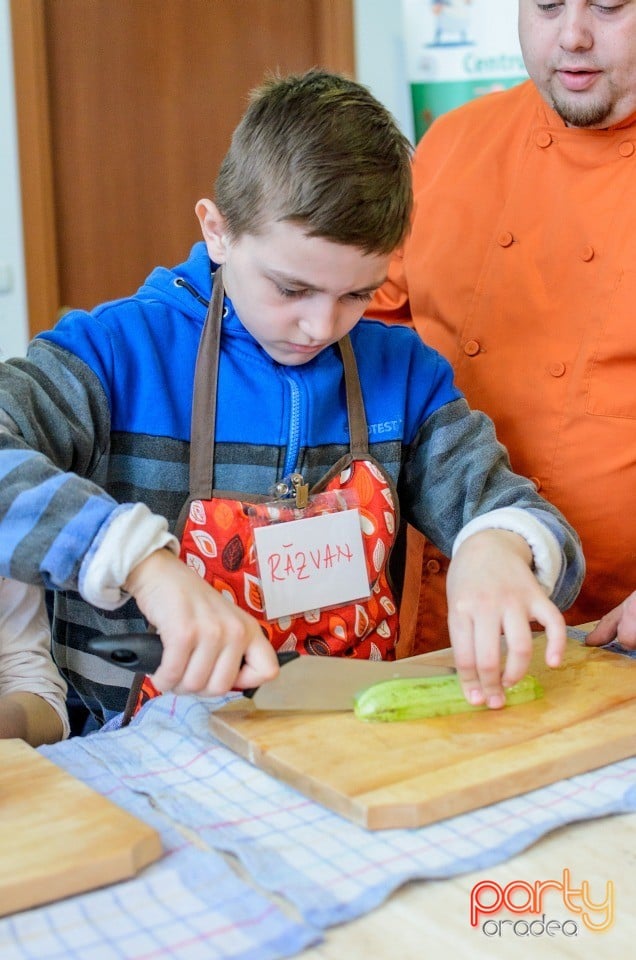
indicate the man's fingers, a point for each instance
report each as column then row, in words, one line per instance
column 605, row 630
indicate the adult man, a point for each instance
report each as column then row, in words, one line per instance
column 520, row 268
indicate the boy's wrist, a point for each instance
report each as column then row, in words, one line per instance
column 546, row 553
column 151, row 567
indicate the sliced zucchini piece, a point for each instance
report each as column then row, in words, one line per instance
column 414, row 698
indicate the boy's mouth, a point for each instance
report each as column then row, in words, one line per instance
column 306, row 348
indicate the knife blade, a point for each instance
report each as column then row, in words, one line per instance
column 304, row 682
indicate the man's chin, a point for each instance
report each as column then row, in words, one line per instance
column 580, row 114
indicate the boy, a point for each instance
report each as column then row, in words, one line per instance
column 32, row 691
column 312, row 198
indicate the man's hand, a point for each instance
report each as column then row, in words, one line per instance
column 205, row 637
column 619, row 624
column 492, row 592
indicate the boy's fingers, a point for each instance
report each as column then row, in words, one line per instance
column 476, row 669
column 556, row 635
column 171, row 669
column 210, row 671
column 518, row 637
column 460, row 628
column 488, row 630
column 259, row 666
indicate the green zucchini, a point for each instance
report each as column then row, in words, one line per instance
column 414, row 698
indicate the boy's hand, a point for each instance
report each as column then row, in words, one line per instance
column 493, row 592
column 205, row 637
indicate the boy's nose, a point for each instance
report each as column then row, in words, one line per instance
column 321, row 321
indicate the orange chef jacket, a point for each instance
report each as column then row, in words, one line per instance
column 521, row 270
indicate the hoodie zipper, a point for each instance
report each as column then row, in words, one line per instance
column 293, row 437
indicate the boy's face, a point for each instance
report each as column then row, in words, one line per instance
column 295, row 294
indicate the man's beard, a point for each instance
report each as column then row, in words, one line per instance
column 582, row 114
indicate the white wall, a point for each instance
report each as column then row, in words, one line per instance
column 13, row 309
column 381, row 59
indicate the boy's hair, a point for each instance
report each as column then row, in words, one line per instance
column 318, row 150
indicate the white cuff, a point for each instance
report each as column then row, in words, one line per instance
column 545, row 547
column 132, row 535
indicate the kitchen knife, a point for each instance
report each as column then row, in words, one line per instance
column 304, row 682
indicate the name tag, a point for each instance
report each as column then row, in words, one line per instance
column 312, row 563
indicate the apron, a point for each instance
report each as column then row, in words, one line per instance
column 216, row 528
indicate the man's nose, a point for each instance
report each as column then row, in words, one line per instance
column 576, row 32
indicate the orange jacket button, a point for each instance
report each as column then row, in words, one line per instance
column 556, row 369
column 626, row 148
column 543, row 139
column 535, row 482
column 472, row 348
column 587, row 253
column 433, row 566
column 505, row 239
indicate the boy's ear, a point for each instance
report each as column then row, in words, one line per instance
column 214, row 229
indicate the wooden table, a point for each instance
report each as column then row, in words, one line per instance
column 430, row 920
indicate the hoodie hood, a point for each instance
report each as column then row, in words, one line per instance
column 186, row 287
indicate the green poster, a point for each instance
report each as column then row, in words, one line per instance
column 457, row 50
column 431, row 99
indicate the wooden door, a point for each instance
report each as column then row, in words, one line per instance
column 125, row 110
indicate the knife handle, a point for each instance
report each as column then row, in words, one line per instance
column 141, row 653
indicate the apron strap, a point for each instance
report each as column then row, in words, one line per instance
column 204, row 402
column 358, row 431
column 206, row 376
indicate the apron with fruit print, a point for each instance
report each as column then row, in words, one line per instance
column 217, row 528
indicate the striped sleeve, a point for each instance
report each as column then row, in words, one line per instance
column 55, row 431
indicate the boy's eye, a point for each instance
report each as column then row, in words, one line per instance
column 361, row 297
column 288, row 292
column 292, row 294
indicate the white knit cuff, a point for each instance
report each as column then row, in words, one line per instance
column 131, row 536
column 545, row 547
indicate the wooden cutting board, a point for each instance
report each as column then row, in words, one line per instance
column 411, row 773
column 58, row 836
